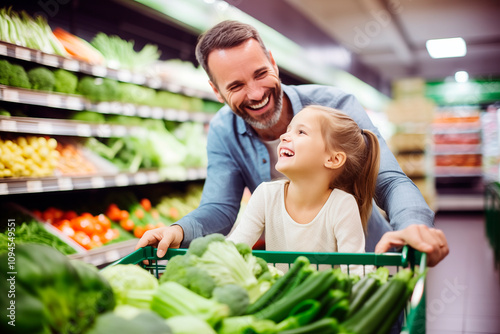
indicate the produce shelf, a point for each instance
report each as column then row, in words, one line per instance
column 11, row 186
column 76, row 102
column 42, row 58
column 60, row 127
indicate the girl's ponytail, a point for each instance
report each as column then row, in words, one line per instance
column 364, row 184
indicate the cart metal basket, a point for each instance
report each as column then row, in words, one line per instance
column 414, row 322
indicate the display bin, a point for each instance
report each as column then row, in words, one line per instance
column 492, row 217
column 414, row 313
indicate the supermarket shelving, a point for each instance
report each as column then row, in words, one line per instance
column 75, row 102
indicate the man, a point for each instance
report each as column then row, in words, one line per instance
column 242, row 142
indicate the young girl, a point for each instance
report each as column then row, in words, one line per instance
column 324, row 205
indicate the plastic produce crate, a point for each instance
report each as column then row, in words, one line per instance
column 492, row 215
column 414, row 321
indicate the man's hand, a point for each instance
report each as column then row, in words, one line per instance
column 421, row 237
column 163, row 238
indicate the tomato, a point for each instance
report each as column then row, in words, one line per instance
column 70, row 215
column 174, row 213
column 139, row 213
column 113, row 212
column 65, row 227
column 127, row 224
column 103, row 221
column 124, row 214
column 108, row 236
column 155, row 214
column 139, row 231
column 98, row 229
column 83, row 224
column 83, row 239
column 146, row 204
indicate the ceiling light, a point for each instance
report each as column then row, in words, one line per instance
column 462, row 76
column 446, row 47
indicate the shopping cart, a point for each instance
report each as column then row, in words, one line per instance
column 492, row 212
column 414, row 320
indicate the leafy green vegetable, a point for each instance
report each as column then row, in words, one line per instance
column 99, row 89
column 66, row 82
column 188, row 324
column 129, row 320
column 120, row 53
column 52, row 294
column 41, row 78
column 233, row 296
column 89, row 116
column 172, row 299
column 131, row 284
column 31, row 231
column 19, row 78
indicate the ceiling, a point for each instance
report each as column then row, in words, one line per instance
column 388, row 36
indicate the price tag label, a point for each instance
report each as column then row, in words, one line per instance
column 3, row 50
column 157, row 113
column 97, row 182
column 128, row 109
column 170, row 114
column 103, row 107
column 144, row 111
column 71, row 65
column 119, row 130
column 115, row 107
column 45, row 128
column 74, row 103
column 4, row 189
column 153, row 177
column 22, row 53
column 34, row 186
column 124, row 76
column 182, row 115
column 140, row 178
column 83, row 130
column 121, row 180
column 54, row 101
column 50, row 60
column 198, row 117
column 139, row 79
column 8, row 125
column 154, row 82
column 99, row 71
column 65, row 183
column 103, row 130
column 10, row 95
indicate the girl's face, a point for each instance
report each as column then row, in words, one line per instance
column 302, row 147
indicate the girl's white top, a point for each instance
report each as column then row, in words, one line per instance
column 336, row 228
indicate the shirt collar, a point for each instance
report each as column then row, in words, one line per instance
column 242, row 127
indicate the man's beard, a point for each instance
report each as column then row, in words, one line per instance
column 267, row 123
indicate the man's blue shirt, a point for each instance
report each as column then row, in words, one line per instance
column 238, row 159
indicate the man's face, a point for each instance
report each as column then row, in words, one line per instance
column 248, row 82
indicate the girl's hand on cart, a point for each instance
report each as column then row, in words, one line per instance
column 162, row 238
column 421, row 237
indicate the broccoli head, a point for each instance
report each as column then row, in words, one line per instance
column 19, row 78
column 5, row 70
column 200, row 281
column 41, row 78
column 233, row 296
column 244, row 249
column 176, row 270
column 66, row 81
column 199, row 245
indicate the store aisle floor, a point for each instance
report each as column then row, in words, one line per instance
column 463, row 294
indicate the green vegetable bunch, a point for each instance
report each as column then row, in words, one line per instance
column 50, row 293
column 42, row 78
column 120, row 53
column 13, row 75
column 213, row 262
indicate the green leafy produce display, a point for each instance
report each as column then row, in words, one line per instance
column 120, row 53
column 52, row 293
column 65, row 81
column 42, row 78
column 35, row 33
column 13, row 75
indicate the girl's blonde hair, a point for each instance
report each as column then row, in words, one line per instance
column 359, row 172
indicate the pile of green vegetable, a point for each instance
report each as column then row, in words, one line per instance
column 45, row 292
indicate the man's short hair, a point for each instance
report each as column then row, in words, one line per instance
column 225, row 35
